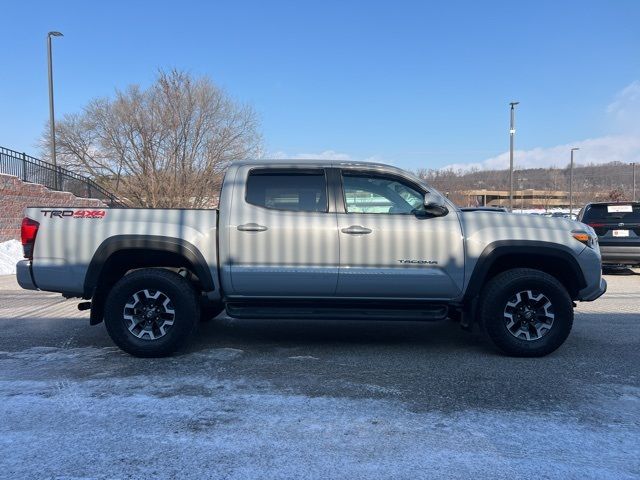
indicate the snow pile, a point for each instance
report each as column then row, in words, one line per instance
column 10, row 254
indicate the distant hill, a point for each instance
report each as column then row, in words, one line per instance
column 610, row 181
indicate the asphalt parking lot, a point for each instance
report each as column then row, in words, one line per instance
column 313, row 399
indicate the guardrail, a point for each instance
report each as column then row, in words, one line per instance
column 34, row 170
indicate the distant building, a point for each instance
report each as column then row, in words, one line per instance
column 527, row 198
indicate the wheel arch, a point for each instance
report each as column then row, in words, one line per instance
column 121, row 253
column 555, row 259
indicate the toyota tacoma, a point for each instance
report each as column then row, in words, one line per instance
column 325, row 240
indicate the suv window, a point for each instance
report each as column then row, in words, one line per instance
column 294, row 190
column 625, row 213
column 371, row 193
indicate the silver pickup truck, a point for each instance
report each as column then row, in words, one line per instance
column 293, row 239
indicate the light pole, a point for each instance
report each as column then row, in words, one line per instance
column 521, row 186
column 512, row 132
column 52, row 125
column 571, row 182
column 633, row 165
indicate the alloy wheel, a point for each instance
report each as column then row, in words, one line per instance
column 149, row 314
column 529, row 315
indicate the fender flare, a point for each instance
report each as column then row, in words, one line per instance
column 495, row 250
column 146, row 242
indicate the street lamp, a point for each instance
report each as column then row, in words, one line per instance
column 512, row 132
column 52, row 125
column 633, row 166
column 571, row 182
column 521, row 187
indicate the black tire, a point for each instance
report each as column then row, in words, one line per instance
column 513, row 295
column 174, row 289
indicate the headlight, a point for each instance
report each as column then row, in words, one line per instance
column 589, row 238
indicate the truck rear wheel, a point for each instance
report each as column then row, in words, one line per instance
column 526, row 312
column 151, row 312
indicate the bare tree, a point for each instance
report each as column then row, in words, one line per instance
column 617, row 195
column 166, row 146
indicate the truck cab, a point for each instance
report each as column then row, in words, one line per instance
column 339, row 231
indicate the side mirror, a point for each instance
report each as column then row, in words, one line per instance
column 433, row 205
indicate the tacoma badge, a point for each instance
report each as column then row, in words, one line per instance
column 421, row 262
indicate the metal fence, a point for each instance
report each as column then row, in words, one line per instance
column 33, row 170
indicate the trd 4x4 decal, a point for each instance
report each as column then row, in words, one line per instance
column 74, row 213
column 89, row 214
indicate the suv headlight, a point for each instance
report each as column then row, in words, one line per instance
column 589, row 238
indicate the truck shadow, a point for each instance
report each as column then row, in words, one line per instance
column 265, row 333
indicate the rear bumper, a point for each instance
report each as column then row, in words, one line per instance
column 620, row 255
column 23, row 275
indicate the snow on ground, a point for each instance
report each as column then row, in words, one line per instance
column 10, row 254
column 59, row 423
column 542, row 211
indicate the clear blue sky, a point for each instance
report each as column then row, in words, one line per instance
column 418, row 84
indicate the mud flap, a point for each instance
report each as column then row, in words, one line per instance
column 97, row 307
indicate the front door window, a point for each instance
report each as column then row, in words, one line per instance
column 366, row 193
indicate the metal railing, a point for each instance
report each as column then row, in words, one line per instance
column 33, row 170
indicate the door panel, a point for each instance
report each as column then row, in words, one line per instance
column 289, row 246
column 403, row 255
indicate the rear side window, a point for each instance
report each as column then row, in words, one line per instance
column 293, row 190
column 612, row 213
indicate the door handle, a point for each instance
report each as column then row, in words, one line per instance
column 252, row 227
column 356, row 230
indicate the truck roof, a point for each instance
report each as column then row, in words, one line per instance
column 319, row 163
column 305, row 161
column 296, row 162
column 617, row 202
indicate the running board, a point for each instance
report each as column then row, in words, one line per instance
column 424, row 312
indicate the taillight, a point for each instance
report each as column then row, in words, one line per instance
column 594, row 225
column 28, row 232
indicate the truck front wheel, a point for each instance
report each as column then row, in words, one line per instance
column 526, row 312
column 151, row 312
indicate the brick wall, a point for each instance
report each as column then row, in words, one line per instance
column 16, row 195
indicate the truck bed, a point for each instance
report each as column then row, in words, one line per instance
column 69, row 239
